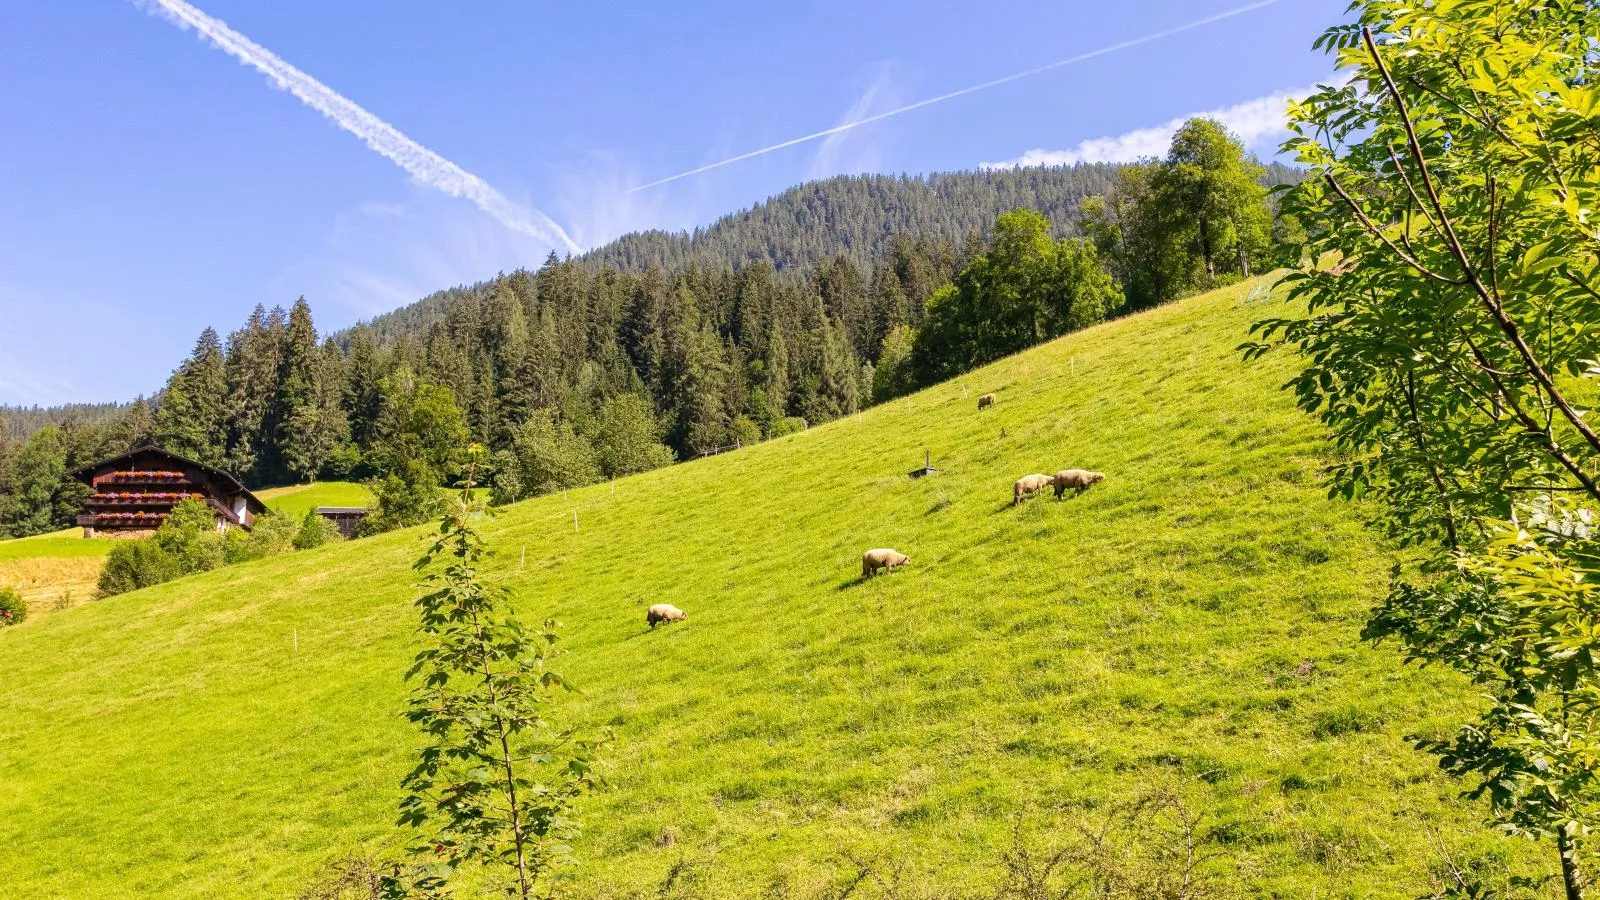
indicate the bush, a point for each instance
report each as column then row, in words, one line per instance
column 315, row 530
column 745, row 431
column 628, row 438
column 407, row 496
column 788, row 425
column 136, row 564
column 546, row 456
column 12, row 609
column 271, row 535
column 190, row 535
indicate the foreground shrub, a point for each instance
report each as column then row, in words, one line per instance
column 12, row 609
column 187, row 543
column 136, row 564
column 408, row 495
column 315, row 530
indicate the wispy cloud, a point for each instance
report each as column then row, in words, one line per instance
column 422, row 164
column 1255, row 122
column 962, row 92
column 843, row 152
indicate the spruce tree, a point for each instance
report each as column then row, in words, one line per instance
column 191, row 419
column 135, row 428
column 303, row 442
column 363, row 397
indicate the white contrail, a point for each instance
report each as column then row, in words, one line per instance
column 423, row 164
column 857, row 123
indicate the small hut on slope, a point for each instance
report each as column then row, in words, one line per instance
column 136, row 491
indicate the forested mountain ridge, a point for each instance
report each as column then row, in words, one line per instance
column 857, row 216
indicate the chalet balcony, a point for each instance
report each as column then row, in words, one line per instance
column 142, row 476
column 123, row 520
column 140, row 498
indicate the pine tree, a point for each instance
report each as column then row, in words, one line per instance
column 302, row 439
column 135, row 428
column 191, row 418
column 363, row 397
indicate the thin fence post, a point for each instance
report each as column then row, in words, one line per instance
column 296, row 632
column 524, row 563
column 574, row 520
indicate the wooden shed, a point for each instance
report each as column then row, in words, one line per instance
column 348, row 518
column 136, row 491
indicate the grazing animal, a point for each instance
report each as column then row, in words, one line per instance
column 987, row 400
column 664, row 612
column 1027, row 486
column 882, row 558
column 1077, row 479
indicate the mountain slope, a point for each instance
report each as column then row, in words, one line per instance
column 1191, row 618
column 808, row 224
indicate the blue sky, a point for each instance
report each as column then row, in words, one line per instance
column 154, row 185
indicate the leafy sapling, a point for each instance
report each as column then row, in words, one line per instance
column 495, row 787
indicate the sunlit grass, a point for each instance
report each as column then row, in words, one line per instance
column 300, row 499
column 1193, row 618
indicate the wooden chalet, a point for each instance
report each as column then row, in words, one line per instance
column 136, row 491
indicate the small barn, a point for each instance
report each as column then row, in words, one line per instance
column 136, row 491
column 347, row 518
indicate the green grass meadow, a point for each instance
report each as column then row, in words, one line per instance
column 297, row 500
column 1191, row 620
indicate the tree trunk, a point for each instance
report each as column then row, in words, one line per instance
column 1571, row 877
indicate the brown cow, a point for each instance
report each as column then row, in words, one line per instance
column 987, row 400
column 1078, row 480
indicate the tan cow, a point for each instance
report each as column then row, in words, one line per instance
column 1027, row 486
column 664, row 613
column 987, row 400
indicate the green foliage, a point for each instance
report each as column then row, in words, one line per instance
column 1450, row 273
column 191, row 537
column 12, row 609
column 137, row 563
column 192, row 417
column 1185, row 222
column 420, row 425
column 496, row 785
column 36, row 480
column 894, row 377
column 627, row 438
column 1217, row 190
column 407, row 496
column 788, row 425
column 545, row 456
column 315, row 530
column 272, row 534
column 1025, row 290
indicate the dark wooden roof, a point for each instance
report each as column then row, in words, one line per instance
column 232, row 484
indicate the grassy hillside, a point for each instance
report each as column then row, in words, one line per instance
column 52, row 571
column 300, row 499
column 1192, row 618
